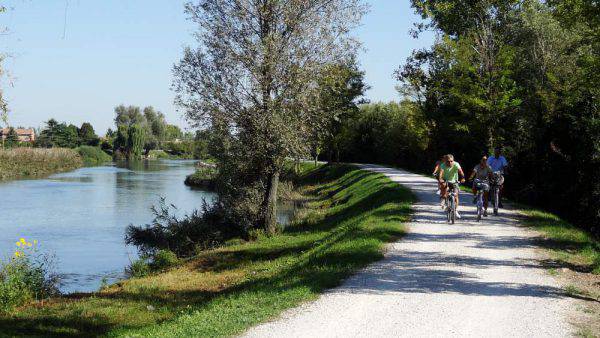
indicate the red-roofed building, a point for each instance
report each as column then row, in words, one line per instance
column 25, row 135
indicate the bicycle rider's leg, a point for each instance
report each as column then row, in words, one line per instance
column 486, row 197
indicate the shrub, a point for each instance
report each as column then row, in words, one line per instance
column 164, row 259
column 158, row 154
column 25, row 277
column 158, row 261
column 183, row 236
column 138, row 268
column 93, row 155
column 204, row 177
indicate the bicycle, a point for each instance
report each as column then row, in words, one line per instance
column 451, row 202
column 481, row 186
column 496, row 182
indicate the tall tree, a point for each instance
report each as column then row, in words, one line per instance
column 87, row 135
column 253, row 78
column 12, row 139
column 136, row 139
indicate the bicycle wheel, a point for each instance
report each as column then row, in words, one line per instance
column 448, row 210
column 452, row 210
column 495, row 198
column 479, row 206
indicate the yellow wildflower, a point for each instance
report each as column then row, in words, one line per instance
column 18, row 254
column 28, row 244
column 23, row 240
column 18, row 243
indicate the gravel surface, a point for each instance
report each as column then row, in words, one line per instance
column 440, row 280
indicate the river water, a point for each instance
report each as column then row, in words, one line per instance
column 80, row 216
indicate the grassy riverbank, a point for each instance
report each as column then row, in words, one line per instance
column 33, row 162
column 349, row 216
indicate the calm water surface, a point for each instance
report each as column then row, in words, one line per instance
column 81, row 216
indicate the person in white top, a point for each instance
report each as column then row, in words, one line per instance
column 498, row 163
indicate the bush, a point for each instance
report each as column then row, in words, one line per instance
column 139, row 268
column 204, row 177
column 183, row 236
column 158, row 154
column 148, row 263
column 93, row 155
column 26, row 277
column 164, row 259
column 181, row 149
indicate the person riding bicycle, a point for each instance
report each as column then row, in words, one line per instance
column 482, row 172
column 498, row 163
column 451, row 173
column 436, row 174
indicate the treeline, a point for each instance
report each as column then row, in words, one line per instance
column 145, row 132
column 140, row 133
column 521, row 75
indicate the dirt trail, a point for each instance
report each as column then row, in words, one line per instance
column 468, row 279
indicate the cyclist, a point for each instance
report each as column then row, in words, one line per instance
column 450, row 172
column 436, row 174
column 483, row 172
column 498, row 163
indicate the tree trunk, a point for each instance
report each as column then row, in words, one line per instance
column 270, row 203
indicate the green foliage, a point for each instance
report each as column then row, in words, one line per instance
column 12, row 139
column 179, row 149
column 158, row 154
column 93, row 155
column 199, row 230
column 340, row 88
column 139, row 268
column 135, row 141
column 393, row 133
column 58, row 135
column 87, row 135
column 521, row 75
column 164, row 259
column 204, row 177
column 25, row 278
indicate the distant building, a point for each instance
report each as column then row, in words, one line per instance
column 25, row 135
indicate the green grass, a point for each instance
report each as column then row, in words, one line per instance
column 34, row 162
column 92, row 156
column 570, row 245
column 350, row 215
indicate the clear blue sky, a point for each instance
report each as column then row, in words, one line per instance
column 121, row 51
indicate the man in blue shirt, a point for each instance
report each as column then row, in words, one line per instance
column 498, row 163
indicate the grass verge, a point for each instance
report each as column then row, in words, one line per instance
column 33, row 162
column 575, row 260
column 571, row 246
column 349, row 216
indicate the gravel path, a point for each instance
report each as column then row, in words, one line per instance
column 468, row 279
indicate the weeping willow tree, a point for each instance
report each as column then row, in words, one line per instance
column 135, row 139
column 253, row 78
